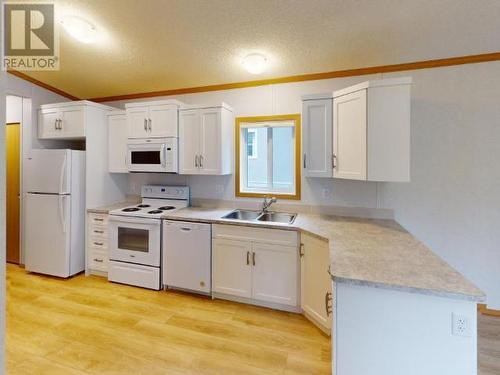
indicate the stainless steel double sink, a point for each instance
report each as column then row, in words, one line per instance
column 249, row 215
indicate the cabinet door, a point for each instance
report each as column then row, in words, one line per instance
column 117, row 143
column 316, row 282
column 275, row 270
column 210, row 149
column 349, row 136
column 72, row 123
column 47, row 123
column 189, row 142
column 163, row 120
column 317, row 137
column 137, row 122
column 232, row 269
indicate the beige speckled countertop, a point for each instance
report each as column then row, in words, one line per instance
column 373, row 252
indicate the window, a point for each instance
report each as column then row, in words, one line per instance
column 268, row 156
column 252, row 143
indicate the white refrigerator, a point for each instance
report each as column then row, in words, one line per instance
column 54, row 212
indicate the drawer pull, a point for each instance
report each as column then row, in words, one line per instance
column 98, row 260
column 98, row 219
column 98, row 243
column 98, row 231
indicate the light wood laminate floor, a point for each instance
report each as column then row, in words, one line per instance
column 86, row 325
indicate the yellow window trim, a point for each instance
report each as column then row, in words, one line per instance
column 295, row 117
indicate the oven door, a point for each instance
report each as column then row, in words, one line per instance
column 146, row 157
column 135, row 240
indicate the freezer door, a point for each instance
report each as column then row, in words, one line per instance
column 48, row 234
column 48, row 171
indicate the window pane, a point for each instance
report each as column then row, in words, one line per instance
column 257, row 161
column 283, row 159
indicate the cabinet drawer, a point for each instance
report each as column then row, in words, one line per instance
column 98, row 243
column 98, row 231
column 98, row 260
column 98, row 219
column 264, row 235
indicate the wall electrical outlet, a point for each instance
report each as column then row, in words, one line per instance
column 461, row 325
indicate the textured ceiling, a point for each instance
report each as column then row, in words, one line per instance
column 151, row 45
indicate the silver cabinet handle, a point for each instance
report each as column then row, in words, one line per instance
column 301, row 250
column 186, row 229
column 60, row 124
column 201, row 161
column 196, row 161
column 328, row 308
column 145, row 124
column 333, row 161
column 98, row 243
column 55, row 124
column 98, row 231
column 253, row 258
column 98, row 219
column 98, row 260
column 150, row 126
column 305, row 158
column 248, row 258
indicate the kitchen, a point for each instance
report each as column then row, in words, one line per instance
column 217, row 275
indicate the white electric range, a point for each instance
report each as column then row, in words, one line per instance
column 135, row 236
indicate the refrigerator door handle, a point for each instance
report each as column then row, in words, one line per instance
column 61, row 213
column 62, row 175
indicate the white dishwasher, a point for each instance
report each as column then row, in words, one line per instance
column 187, row 256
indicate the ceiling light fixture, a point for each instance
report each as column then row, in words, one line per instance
column 79, row 29
column 254, row 63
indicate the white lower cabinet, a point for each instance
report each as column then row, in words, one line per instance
column 97, row 243
column 256, row 264
column 316, row 282
column 232, row 271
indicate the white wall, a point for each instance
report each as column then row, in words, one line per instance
column 400, row 333
column 14, row 109
column 2, row 217
column 269, row 100
column 453, row 201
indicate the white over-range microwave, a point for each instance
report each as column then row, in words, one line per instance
column 152, row 155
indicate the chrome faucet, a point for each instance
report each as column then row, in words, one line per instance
column 267, row 203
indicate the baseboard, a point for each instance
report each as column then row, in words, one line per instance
column 250, row 301
column 483, row 309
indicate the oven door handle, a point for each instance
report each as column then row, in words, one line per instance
column 134, row 220
column 162, row 155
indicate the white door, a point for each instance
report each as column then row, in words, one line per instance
column 232, row 269
column 47, row 223
column 189, row 141
column 187, row 255
column 72, row 123
column 163, row 120
column 48, row 171
column 349, row 136
column 317, row 137
column 275, row 271
column 48, row 123
column 316, row 283
column 137, row 120
column 210, row 120
column 117, row 143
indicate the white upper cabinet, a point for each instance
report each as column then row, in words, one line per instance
column 117, row 142
column 206, row 140
column 157, row 119
column 371, row 131
column 66, row 120
column 317, row 135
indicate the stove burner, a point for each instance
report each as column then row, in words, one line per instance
column 143, row 205
column 131, row 209
column 155, row 212
column 165, row 208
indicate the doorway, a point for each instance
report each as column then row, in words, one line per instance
column 12, row 146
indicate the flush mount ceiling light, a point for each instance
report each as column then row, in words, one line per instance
column 79, row 29
column 254, row 63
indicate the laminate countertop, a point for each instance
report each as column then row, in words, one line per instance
column 111, row 207
column 372, row 252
